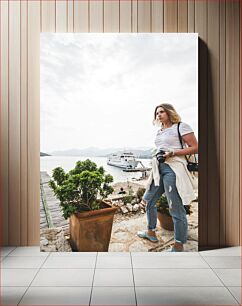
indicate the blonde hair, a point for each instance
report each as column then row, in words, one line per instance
column 171, row 112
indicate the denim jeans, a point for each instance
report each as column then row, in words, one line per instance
column 176, row 208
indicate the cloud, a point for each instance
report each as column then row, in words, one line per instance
column 101, row 89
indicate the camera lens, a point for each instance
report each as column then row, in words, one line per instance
column 160, row 156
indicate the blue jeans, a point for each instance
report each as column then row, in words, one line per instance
column 176, row 208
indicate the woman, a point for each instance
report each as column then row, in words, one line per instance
column 170, row 175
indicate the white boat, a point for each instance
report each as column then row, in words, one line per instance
column 124, row 160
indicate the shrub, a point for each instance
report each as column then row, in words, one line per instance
column 82, row 188
column 140, row 192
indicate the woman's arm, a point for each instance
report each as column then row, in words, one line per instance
column 191, row 141
column 192, row 148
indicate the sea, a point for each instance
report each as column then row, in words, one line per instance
column 48, row 163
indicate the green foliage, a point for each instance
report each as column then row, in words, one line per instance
column 130, row 196
column 130, row 190
column 81, row 188
column 140, row 192
column 127, row 199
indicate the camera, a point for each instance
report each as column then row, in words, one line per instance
column 160, row 156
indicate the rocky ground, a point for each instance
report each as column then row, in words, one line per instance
column 130, row 218
column 125, row 239
column 128, row 221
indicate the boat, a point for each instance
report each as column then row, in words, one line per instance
column 125, row 160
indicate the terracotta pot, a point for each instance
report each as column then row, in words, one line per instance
column 166, row 221
column 90, row 231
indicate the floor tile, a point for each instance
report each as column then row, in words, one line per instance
column 113, row 277
column 113, row 262
column 230, row 277
column 110, row 254
column 4, row 251
column 169, row 262
column 70, row 262
column 73, row 254
column 184, row 296
column 64, row 277
column 23, row 262
column 12, row 295
column 176, row 277
column 231, row 262
column 17, row 277
column 28, row 251
column 236, row 292
column 230, row 251
column 166, row 254
column 57, row 296
column 113, row 296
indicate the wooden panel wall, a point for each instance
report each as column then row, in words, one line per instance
column 217, row 23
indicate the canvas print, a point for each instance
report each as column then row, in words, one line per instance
column 119, row 142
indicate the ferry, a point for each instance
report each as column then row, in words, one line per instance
column 124, row 160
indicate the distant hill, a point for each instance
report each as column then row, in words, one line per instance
column 44, row 154
column 97, row 152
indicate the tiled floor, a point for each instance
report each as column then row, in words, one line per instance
column 30, row 277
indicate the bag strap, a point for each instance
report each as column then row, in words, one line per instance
column 179, row 135
column 180, row 139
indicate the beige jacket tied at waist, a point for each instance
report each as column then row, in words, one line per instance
column 186, row 183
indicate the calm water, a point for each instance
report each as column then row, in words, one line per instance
column 48, row 163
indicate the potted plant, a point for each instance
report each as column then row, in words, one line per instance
column 81, row 192
column 164, row 215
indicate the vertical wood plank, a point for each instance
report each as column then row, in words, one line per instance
column 201, row 29
column 22, row 100
column 24, row 124
column 157, row 16
column 70, row 16
column 61, row 16
column 125, row 16
column 170, row 16
column 4, row 123
column 48, row 17
column 134, row 18
column 222, row 120
column 240, row 128
column 191, row 16
column 213, row 124
column 232, row 122
column 14, row 122
column 144, row 16
column 96, row 16
column 111, row 16
column 33, row 121
column 81, row 16
column 182, row 16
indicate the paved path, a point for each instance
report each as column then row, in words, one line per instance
column 50, row 211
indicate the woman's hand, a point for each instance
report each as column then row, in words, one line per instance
column 168, row 154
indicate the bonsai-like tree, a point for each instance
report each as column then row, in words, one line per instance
column 82, row 188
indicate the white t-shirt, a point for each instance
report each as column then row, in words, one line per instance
column 168, row 138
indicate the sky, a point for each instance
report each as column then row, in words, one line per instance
column 100, row 90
